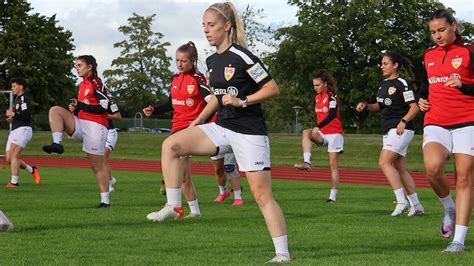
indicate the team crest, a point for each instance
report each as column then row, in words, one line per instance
column 325, row 100
column 391, row 90
column 86, row 92
column 456, row 62
column 190, row 88
column 229, row 73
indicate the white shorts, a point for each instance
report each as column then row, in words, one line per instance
column 19, row 136
column 252, row 152
column 112, row 137
column 459, row 140
column 335, row 142
column 92, row 135
column 398, row 144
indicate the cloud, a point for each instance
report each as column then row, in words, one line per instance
column 94, row 23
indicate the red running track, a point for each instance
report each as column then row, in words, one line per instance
column 372, row 177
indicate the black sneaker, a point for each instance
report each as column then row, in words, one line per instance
column 103, row 205
column 54, row 147
column 330, row 201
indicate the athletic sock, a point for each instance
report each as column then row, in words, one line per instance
column 448, row 202
column 173, row 197
column 400, row 195
column 460, row 233
column 307, row 157
column 281, row 245
column 413, row 199
column 237, row 194
column 333, row 194
column 57, row 137
column 222, row 190
column 194, row 207
column 14, row 179
column 104, row 197
column 29, row 169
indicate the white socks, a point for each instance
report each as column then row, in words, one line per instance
column 413, row 199
column 237, row 194
column 460, row 233
column 173, row 197
column 194, row 207
column 222, row 190
column 448, row 202
column 14, row 179
column 104, row 197
column 307, row 157
column 57, row 137
column 333, row 194
column 400, row 195
column 29, row 169
column 281, row 245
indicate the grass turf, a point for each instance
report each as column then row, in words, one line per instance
column 360, row 151
column 57, row 223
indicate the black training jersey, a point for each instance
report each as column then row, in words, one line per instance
column 238, row 72
column 394, row 98
column 22, row 110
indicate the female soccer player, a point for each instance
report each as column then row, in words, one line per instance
column 240, row 83
column 328, row 131
column 89, row 126
column 396, row 102
column 447, row 97
column 21, row 132
column 188, row 97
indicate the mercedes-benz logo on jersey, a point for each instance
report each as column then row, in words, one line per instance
column 232, row 91
column 387, row 101
column 189, row 102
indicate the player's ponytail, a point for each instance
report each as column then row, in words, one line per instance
column 228, row 12
column 190, row 49
column 326, row 77
column 402, row 62
column 90, row 60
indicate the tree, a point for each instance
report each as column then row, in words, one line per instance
column 255, row 31
column 39, row 50
column 141, row 73
column 348, row 39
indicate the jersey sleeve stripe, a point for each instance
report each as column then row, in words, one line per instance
column 245, row 57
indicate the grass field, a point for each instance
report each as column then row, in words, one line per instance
column 360, row 151
column 56, row 223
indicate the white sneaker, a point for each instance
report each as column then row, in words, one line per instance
column 111, row 184
column 400, row 208
column 5, row 224
column 167, row 213
column 280, row 258
column 416, row 210
column 454, row 247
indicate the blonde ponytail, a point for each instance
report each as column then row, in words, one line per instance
column 229, row 13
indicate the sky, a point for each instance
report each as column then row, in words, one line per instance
column 94, row 23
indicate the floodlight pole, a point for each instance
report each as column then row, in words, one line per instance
column 297, row 111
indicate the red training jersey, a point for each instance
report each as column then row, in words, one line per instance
column 187, row 99
column 449, row 106
column 87, row 94
column 327, row 105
